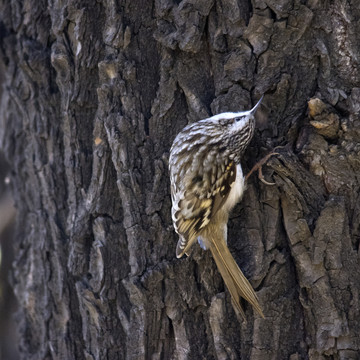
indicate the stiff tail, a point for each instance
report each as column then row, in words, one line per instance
column 233, row 277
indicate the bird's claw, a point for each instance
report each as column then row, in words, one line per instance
column 262, row 179
column 258, row 167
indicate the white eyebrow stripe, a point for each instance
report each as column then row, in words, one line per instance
column 229, row 115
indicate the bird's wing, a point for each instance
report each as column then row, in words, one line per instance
column 194, row 207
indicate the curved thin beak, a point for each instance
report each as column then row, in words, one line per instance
column 252, row 111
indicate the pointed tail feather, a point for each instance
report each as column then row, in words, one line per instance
column 233, row 277
column 229, row 284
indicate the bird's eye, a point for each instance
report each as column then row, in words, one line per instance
column 237, row 119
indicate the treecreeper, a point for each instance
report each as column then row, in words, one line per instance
column 206, row 182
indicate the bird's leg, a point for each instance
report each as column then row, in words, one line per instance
column 258, row 167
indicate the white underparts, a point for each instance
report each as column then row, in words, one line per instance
column 237, row 189
column 203, row 243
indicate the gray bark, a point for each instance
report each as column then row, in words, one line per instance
column 93, row 94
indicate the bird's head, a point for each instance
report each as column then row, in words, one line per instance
column 237, row 129
column 221, row 136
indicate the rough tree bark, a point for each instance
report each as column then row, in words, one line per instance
column 94, row 92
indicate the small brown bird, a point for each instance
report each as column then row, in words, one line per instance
column 206, row 183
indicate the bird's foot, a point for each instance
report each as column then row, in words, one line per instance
column 259, row 164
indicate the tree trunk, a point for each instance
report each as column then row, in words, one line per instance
column 94, row 92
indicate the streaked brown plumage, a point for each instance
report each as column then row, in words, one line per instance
column 206, row 182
